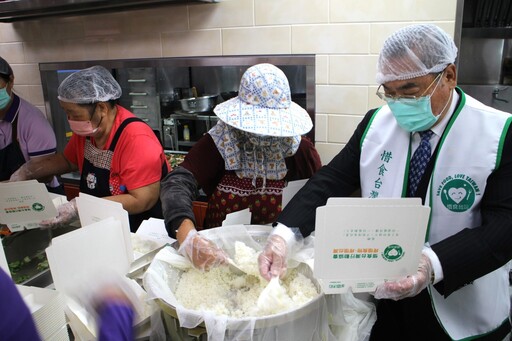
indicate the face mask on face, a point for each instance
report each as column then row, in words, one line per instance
column 84, row 128
column 414, row 114
column 5, row 98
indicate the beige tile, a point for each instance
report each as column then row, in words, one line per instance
column 336, row 38
column 15, row 32
column 26, row 74
column 283, row 12
column 140, row 46
column 31, row 93
column 53, row 51
column 111, row 24
column 96, row 48
column 358, row 70
column 191, row 43
column 257, row 40
column 341, row 127
column 156, row 20
column 13, row 52
column 23, row 91
column 381, row 31
column 328, row 151
column 237, row 13
column 335, row 99
column 52, row 29
column 321, row 127
column 321, row 69
column 363, row 11
column 435, row 9
column 373, row 100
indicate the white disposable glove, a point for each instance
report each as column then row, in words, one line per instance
column 66, row 214
column 21, row 174
column 202, row 252
column 409, row 286
column 272, row 261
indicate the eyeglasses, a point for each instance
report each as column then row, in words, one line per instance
column 385, row 97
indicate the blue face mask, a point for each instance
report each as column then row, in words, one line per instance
column 5, row 98
column 415, row 114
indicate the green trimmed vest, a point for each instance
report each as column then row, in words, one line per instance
column 455, row 191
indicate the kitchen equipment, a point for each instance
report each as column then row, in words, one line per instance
column 198, row 104
column 309, row 320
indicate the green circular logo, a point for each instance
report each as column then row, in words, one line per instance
column 393, row 253
column 38, row 207
column 458, row 195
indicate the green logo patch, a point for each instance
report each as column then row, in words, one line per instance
column 458, row 192
column 392, row 253
column 38, row 207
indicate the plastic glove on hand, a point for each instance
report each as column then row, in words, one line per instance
column 202, row 252
column 19, row 175
column 66, row 214
column 272, row 260
column 409, row 286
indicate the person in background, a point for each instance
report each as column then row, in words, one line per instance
column 244, row 161
column 461, row 289
column 25, row 133
column 113, row 306
column 118, row 155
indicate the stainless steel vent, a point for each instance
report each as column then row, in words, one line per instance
column 17, row 10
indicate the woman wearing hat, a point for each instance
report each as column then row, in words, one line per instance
column 118, row 155
column 25, row 133
column 244, row 161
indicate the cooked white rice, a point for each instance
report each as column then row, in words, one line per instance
column 224, row 293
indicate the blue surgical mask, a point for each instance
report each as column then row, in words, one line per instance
column 415, row 114
column 5, row 98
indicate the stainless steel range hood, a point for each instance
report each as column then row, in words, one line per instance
column 17, row 10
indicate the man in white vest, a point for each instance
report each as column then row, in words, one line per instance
column 452, row 151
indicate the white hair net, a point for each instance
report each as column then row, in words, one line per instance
column 92, row 85
column 415, row 51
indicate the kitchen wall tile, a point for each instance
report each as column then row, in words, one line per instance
column 373, row 100
column 192, row 43
column 52, row 29
column 156, row 20
column 224, row 14
column 53, row 51
column 258, row 40
column 328, row 151
column 322, row 69
column 357, row 70
column 321, row 127
column 435, row 9
column 282, row 12
column 13, row 53
column 27, row 74
column 110, row 24
column 341, row 128
column 381, row 31
column 96, row 48
column 15, row 32
column 31, row 93
column 363, row 11
column 336, row 99
column 336, row 38
column 140, row 46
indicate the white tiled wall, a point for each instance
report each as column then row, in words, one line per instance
column 345, row 35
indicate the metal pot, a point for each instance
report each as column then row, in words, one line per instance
column 198, row 104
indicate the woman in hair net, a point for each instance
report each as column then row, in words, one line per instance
column 118, row 155
column 454, row 153
column 244, row 161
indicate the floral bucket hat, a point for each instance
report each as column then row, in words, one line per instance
column 264, row 106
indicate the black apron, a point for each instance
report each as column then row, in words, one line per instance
column 95, row 178
column 11, row 157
